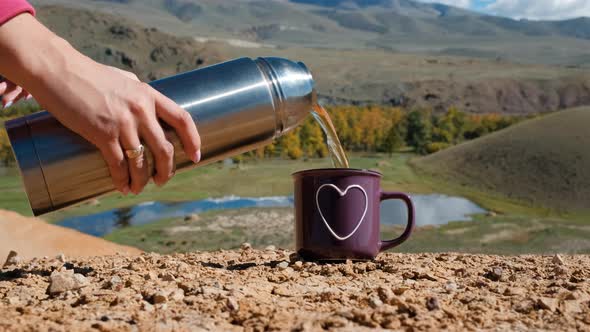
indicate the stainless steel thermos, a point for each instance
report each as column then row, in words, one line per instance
column 237, row 105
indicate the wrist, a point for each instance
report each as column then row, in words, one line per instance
column 30, row 54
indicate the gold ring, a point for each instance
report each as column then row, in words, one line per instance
column 135, row 153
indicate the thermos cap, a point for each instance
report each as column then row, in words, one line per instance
column 294, row 89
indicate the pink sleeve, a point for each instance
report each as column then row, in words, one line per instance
column 11, row 8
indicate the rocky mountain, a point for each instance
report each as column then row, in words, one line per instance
column 117, row 41
column 394, row 25
column 158, row 46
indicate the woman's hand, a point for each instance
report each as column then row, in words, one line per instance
column 109, row 107
column 11, row 93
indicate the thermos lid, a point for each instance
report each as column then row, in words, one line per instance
column 294, row 88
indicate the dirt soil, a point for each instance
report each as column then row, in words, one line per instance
column 257, row 290
column 32, row 237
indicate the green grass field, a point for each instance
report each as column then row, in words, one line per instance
column 517, row 227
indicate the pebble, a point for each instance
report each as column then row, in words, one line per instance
column 283, row 265
column 557, row 260
column 386, row 294
column 159, row 297
column 177, row 295
column 246, row 246
column 450, row 287
column 375, row 302
column 115, row 283
column 547, row 303
column 298, row 266
column 432, row 304
column 232, row 304
column 270, row 248
column 66, row 281
column 495, row 274
column 145, row 306
column 515, row 291
column 192, row 217
column 167, row 277
column 12, row 259
column 61, row 258
column 151, row 275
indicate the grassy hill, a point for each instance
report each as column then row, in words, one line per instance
column 118, row 41
column 544, row 162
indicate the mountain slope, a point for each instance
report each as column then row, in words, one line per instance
column 542, row 161
column 119, row 42
column 399, row 25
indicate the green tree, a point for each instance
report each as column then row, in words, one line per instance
column 419, row 130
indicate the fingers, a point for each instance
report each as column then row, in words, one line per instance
column 161, row 148
column 10, row 94
column 182, row 122
column 113, row 155
column 138, row 167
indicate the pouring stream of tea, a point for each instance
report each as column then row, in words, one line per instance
column 339, row 159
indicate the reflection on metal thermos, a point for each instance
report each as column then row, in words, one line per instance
column 237, row 105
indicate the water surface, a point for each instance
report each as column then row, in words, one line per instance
column 430, row 210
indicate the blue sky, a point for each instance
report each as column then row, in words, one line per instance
column 530, row 9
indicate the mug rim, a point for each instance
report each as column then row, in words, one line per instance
column 347, row 171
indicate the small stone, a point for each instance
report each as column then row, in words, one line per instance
column 115, row 283
column 375, row 302
column 66, row 281
column 167, row 277
column 283, row 265
column 560, row 270
column 61, row 258
column 151, row 275
column 246, row 246
column 491, row 214
column 298, row 266
column 495, row 274
column 183, row 267
column 385, row 294
column 572, row 307
column 450, row 287
column 432, row 304
column 547, row 303
column 400, row 290
column 192, row 217
column 232, row 304
column 270, row 248
column 139, row 259
column 515, row 291
column 145, row 306
column 177, row 295
column 524, row 307
column 134, row 266
column 159, row 297
column 12, row 259
column 557, row 260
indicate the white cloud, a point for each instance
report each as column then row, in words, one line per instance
column 540, row 9
column 456, row 3
column 530, row 9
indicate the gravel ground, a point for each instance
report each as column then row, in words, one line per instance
column 272, row 290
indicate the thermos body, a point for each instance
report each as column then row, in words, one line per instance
column 237, row 106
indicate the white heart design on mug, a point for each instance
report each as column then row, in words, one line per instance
column 341, row 193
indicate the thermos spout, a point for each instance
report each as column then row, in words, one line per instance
column 237, row 106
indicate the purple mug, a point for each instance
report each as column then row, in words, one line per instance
column 337, row 214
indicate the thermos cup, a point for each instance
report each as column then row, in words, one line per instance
column 237, row 106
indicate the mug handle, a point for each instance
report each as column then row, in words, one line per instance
column 388, row 244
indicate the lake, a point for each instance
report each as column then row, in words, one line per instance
column 432, row 209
